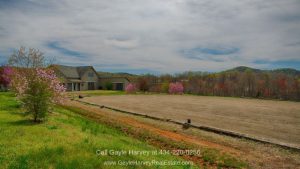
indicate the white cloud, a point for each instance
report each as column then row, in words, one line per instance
column 122, row 43
column 150, row 34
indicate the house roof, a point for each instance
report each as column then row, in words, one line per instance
column 68, row 71
column 114, row 77
column 75, row 80
column 82, row 69
column 74, row 73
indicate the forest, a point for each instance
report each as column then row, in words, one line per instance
column 283, row 84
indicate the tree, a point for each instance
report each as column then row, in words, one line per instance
column 32, row 58
column 36, row 86
column 130, row 88
column 165, row 87
column 108, row 85
column 282, row 85
column 143, row 84
column 5, row 73
column 176, row 88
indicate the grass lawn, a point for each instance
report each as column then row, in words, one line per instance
column 65, row 140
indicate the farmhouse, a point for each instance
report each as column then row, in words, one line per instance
column 86, row 78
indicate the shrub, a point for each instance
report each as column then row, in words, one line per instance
column 156, row 88
column 176, row 88
column 38, row 89
column 130, row 88
column 108, row 85
column 143, row 84
column 5, row 73
column 165, row 87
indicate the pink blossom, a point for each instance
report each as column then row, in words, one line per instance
column 22, row 80
column 5, row 74
column 176, row 88
column 57, row 89
column 130, row 88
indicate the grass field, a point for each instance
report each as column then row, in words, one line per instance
column 278, row 121
column 74, row 132
column 65, row 140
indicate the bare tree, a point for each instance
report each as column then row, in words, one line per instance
column 33, row 58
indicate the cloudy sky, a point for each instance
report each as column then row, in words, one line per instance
column 155, row 36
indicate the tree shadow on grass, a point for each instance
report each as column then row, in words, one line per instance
column 17, row 113
column 10, row 106
column 24, row 122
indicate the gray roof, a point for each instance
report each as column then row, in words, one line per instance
column 114, row 77
column 68, row 71
column 73, row 72
column 82, row 69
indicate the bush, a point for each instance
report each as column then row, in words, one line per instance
column 108, row 85
column 130, row 88
column 156, row 88
column 38, row 89
column 176, row 88
column 5, row 73
column 143, row 84
column 165, row 87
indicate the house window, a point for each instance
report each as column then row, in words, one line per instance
column 91, row 85
column 119, row 86
column 69, row 87
column 90, row 74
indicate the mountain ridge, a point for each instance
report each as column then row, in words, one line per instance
column 287, row 71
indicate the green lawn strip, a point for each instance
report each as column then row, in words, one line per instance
column 65, row 140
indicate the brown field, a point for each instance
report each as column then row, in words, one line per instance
column 277, row 121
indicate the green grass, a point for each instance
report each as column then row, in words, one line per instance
column 65, row 140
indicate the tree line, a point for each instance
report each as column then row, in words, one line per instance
column 248, row 83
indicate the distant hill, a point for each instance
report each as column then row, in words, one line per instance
column 243, row 69
column 287, row 71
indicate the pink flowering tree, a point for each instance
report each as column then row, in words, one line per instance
column 38, row 89
column 5, row 73
column 176, row 88
column 130, row 88
column 36, row 86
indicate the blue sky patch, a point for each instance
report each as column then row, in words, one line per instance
column 3, row 60
column 57, row 46
column 213, row 54
column 280, row 64
column 216, row 51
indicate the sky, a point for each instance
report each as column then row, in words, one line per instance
column 155, row 36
